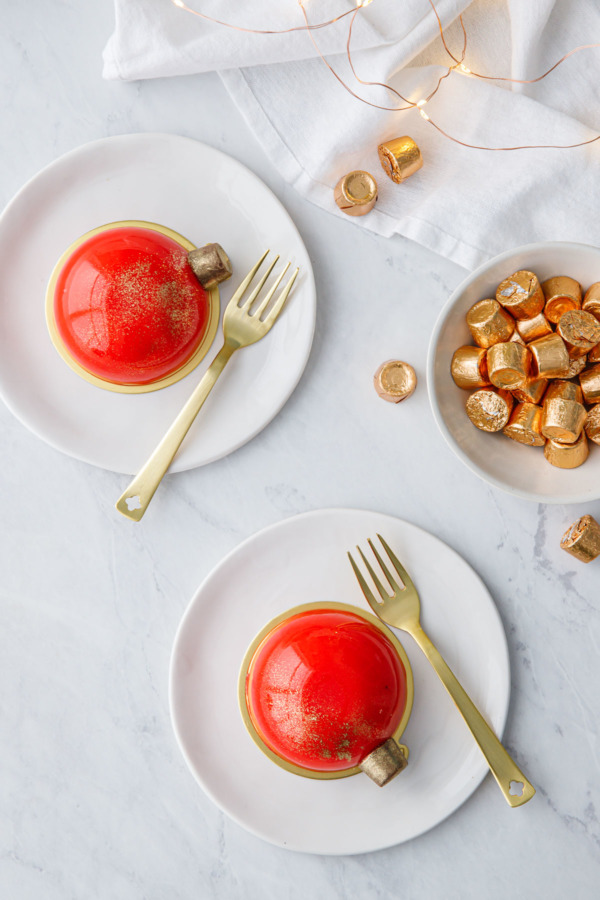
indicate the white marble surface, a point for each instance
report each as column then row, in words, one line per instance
column 95, row 799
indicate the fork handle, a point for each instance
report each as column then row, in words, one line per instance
column 502, row 766
column 150, row 475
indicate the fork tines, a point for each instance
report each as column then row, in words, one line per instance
column 405, row 580
column 261, row 309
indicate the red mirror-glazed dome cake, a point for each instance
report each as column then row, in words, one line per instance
column 323, row 688
column 125, row 309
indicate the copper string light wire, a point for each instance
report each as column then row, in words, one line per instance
column 419, row 104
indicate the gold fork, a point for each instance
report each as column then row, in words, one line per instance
column 402, row 610
column 242, row 325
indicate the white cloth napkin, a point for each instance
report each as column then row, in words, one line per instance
column 464, row 204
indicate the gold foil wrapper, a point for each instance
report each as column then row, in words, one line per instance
column 530, row 391
column 564, row 390
column 590, row 384
column 489, row 409
column 550, row 357
column 567, row 456
column 577, row 365
column 400, row 158
column 210, row 264
column 521, row 294
column 580, row 331
column 562, row 420
column 469, row 368
column 385, row 762
column 582, row 540
column 534, row 328
column 592, row 424
column 562, row 294
column 525, row 425
column 516, row 337
column 395, row 380
column 356, row 193
column 508, row 364
column 594, row 354
column 591, row 301
column 489, row 323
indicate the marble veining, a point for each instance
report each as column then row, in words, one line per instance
column 95, row 798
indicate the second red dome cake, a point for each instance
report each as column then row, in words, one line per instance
column 325, row 687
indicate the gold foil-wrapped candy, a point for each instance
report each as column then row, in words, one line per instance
column 592, row 424
column 582, row 540
column 521, row 294
column 531, row 390
column 580, row 331
column 561, row 294
column 576, row 366
column 489, row 409
column 534, row 328
column 594, row 354
column 562, row 420
column 210, row 264
column 564, row 390
column 356, row 193
column 489, row 323
column 590, row 384
column 508, row 364
column 525, row 425
column 469, row 368
column 567, row 456
column 550, row 357
column 395, row 380
column 591, row 301
column 400, row 158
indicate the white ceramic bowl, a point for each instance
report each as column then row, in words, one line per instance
column 494, row 457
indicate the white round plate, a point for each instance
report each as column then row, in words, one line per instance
column 205, row 196
column 300, row 560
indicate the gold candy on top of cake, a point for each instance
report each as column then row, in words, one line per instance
column 530, row 344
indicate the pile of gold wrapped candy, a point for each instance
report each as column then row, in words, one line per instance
column 535, row 367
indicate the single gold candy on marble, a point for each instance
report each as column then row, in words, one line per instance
column 400, row 158
column 580, row 331
column 521, row 294
column 567, row 456
column 590, row 384
column 395, row 380
column 489, row 409
column 576, row 366
column 469, row 368
column 525, row 425
column 210, row 264
column 582, row 540
column 562, row 420
column 489, row 323
column 592, row 424
column 530, row 391
column 356, row 193
column 534, row 328
column 561, row 294
column 591, row 301
column 564, row 390
column 550, row 357
column 508, row 364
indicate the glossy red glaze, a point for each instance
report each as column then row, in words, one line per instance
column 325, row 688
column 128, row 307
